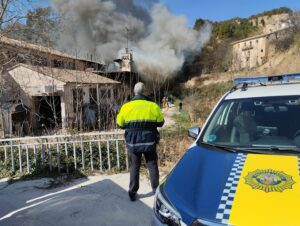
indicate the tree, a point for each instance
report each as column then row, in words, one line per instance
column 295, row 21
column 12, row 11
column 272, row 12
column 41, row 27
column 42, row 24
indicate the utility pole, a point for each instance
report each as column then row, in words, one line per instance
column 127, row 37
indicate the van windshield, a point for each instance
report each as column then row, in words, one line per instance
column 269, row 122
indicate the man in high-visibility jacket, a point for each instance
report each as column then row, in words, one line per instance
column 140, row 118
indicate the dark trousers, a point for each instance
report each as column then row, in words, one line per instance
column 135, row 159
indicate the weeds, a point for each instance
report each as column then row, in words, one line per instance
column 199, row 102
column 48, row 162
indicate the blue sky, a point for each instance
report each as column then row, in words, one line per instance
column 217, row 10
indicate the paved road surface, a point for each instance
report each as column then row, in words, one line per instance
column 98, row 200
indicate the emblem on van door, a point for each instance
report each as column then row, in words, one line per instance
column 269, row 180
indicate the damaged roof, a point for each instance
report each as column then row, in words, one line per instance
column 38, row 48
column 67, row 75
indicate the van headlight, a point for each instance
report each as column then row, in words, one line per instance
column 164, row 211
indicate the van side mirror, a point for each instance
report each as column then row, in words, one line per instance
column 194, row 132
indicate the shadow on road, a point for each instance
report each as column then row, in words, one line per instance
column 85, row 202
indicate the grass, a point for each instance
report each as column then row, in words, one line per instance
column 197, row 105
column 199, row 102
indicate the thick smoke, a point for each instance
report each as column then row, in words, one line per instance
column 159, row 40
column 169, row 42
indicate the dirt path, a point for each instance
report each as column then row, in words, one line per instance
column 168, row 115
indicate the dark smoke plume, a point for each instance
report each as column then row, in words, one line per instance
column 159, row 40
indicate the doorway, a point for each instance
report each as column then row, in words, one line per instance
column 48, row 112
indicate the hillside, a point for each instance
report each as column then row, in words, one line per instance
column 286, row 62
column 218, row 54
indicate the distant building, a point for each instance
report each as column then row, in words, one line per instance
column 255, row 51
column 270, row 24
column 250, row 52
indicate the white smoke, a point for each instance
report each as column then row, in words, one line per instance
column 169, row 43
column 159, row 40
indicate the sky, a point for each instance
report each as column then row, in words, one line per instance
column 218, row 10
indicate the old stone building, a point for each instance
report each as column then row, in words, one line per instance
column 256, row 50
column 54, row 96
column 14, row 51
column 43, row 89
column 250, row 52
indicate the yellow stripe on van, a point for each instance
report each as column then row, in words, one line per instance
column 268, row 192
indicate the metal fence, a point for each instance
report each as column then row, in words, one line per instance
column 95, row 151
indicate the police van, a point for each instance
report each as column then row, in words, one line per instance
column 244, row 166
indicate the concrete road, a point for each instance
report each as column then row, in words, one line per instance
column 98, row 200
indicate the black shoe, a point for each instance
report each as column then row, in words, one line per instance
column 154, row 191
column 132, row 196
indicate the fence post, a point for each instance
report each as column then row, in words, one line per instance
column 27, row 159
column 74, row 154
column 118, row 155
column 12, row 157
column 82, row 152
column 20, row 158
column 42, row 154
column 58, row 157
column 108, row 155
column 66, row 153
column 50, row 157
column 35, row 156
column 91, row 153
column 100, row 156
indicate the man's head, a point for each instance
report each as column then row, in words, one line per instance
column 139, row 88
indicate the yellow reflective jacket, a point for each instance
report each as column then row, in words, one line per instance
column 140, row 117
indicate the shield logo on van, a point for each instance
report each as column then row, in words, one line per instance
column 269, row 180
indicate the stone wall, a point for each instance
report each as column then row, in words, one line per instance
column 270, row 24
column 254, row 51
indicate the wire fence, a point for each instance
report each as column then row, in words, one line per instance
column 62, row 153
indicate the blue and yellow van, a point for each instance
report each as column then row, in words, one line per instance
column 244, row 166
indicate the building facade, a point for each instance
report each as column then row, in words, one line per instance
column 45, row 90
column 255, row 51
column 51, row 98
column 251, row 52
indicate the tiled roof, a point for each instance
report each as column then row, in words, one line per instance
column 68, row 76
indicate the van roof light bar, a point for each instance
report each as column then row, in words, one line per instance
column 264, row 80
